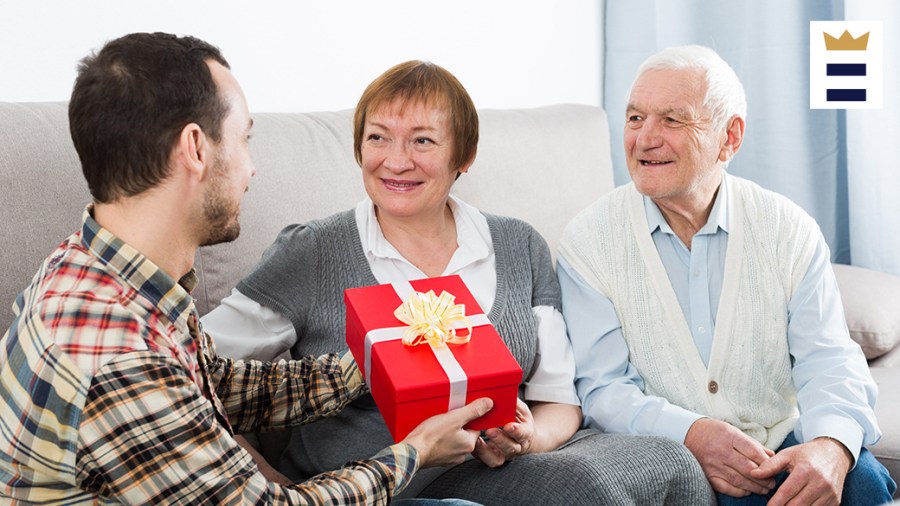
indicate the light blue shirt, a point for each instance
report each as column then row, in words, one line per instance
column 835, row 391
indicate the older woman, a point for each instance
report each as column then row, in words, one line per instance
column 415, row 133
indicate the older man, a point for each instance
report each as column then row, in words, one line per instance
column 704, row 308
column 111, row 391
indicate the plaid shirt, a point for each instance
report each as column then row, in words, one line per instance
column 112, row 394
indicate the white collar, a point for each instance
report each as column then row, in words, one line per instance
column 718, row 216
column 472, row 235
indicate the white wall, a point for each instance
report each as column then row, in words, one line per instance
column 319, row 55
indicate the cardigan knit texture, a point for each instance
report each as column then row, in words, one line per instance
column 748, row 380
column 303, row 275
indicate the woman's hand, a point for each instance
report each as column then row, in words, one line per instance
column 499, row 445
column 544, row 429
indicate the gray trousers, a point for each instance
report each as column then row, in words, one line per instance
column 592, row 468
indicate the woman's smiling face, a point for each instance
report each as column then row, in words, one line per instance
column 406, row 155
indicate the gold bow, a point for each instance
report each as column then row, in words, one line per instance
column 431, row 319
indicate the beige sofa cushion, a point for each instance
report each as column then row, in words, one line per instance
column 873, row 324
column 890, row 359
column 887, row 450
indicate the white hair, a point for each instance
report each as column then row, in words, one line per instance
column 725, row 95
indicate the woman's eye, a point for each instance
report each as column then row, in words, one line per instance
column 374, row 137
column 424, row 140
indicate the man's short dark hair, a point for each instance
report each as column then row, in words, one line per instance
column 131, row 101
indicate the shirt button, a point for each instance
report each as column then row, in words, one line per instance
column 702, row 330
column 696, row 274
column 713, row 387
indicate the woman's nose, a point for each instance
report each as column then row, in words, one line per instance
column 398, row 158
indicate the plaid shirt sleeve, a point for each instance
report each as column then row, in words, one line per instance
column 149, row 436
column 273, row 395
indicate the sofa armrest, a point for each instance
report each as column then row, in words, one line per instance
column 872, row 308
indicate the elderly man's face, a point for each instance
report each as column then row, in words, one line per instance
column 674, row 155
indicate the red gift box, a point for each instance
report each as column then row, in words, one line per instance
column 409, row 383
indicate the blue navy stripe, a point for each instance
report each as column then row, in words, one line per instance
column 846, row 69
column 846, row 95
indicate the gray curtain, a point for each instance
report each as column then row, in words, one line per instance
column 840, row 166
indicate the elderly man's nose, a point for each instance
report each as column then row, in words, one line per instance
column 650, row 135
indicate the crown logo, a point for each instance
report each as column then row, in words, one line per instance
column 846, row 42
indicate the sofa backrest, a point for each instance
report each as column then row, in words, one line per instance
column 541, row 165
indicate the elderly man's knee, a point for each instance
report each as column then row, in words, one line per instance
column 868, row 481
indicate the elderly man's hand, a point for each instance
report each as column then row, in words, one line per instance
column 727, row 457
column 817, row 471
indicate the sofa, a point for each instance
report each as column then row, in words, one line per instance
column 542, row 165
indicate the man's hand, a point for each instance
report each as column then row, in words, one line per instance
column 817, row 471
column 441, row 439
column 728, row 456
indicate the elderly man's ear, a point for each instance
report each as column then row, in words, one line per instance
column 734, row 135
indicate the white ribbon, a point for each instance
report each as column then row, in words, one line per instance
column 458, row 379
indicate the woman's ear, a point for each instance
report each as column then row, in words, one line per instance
column 465, row 168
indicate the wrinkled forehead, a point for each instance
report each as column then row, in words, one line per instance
column 664, row 89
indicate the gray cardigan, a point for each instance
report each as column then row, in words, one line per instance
column 303, row 276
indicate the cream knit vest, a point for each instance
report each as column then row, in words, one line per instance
column 748, row 382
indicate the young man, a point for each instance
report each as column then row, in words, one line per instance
column 112, row 392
